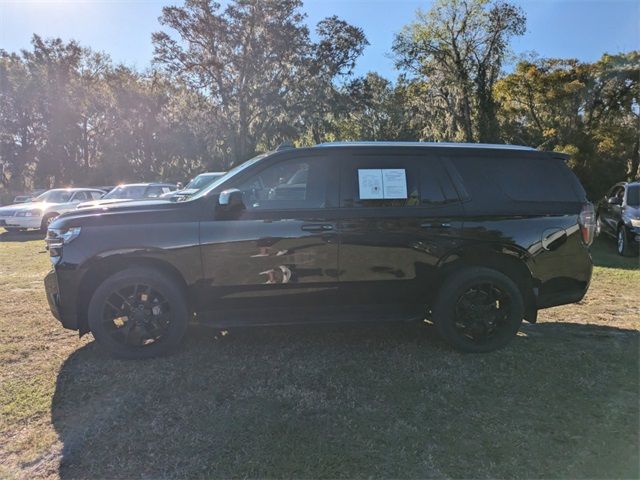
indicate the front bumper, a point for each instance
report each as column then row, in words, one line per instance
column 62, row 308
column 634, row 234
column 24, row 222
column 4, row 220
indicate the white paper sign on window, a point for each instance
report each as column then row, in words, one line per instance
column 394, row 183
column 370, row 183
column 376, row 184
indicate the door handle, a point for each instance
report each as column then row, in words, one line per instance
column 317, row 227
column 435, row 225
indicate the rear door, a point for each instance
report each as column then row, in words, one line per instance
column 390, row 247
column 280, row 255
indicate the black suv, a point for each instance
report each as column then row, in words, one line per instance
column 618, row 215
column 474, row 238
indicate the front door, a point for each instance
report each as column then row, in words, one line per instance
column 279, row 256
column 391, row 246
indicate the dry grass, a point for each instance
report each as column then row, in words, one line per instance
column 325, row 401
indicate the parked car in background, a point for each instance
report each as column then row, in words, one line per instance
column 44, row 208
column 194, row 186
column 22, row 198
column 473, row 237
column 130, row 192
column 29, row 197
column 618, row 215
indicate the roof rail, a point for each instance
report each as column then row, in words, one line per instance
column 427, row 144
column 284, row 146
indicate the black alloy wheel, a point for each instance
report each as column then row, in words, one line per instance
column 478, row 309
column 138, row 313
column 482, row 312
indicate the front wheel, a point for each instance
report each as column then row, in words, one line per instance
column 46, row 221
column 138, row 313
column 623, row 246
column 478, row 310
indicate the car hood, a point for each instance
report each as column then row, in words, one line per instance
column 187, row 191
column 95, row 214
column 26, row 206
column 107, row 201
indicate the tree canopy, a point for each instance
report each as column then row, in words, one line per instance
column 228, row 82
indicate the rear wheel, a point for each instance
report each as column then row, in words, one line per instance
column 138, row 313
column 478, row 310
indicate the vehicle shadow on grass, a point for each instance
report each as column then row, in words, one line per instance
column 28, row 236
column 385, row 400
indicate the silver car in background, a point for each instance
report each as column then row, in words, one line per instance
column 40, row 212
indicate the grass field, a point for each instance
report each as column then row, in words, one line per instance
column 327, row 401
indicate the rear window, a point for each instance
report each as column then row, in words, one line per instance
column 525, row 179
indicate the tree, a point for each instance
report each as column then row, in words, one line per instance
column 455, row 53
column 255, row 62
column 589, row 110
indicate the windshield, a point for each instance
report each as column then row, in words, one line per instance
column 231, row 173
column 127, row 191
column 633, row 195
column 55, row 196
column 203, row 180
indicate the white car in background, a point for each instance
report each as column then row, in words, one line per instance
column 43, row 209
column 194, row 186
column 131, row 192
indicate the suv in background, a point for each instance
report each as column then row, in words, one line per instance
column 194, row 186
column 618, row 215
column 130, row 192
column 41, row 211
column 474, row 237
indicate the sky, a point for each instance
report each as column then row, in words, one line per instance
column 582, row 29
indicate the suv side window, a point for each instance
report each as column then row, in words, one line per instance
column 81, row 196
column 288, row 185
column 427, row 181
column 153, row 192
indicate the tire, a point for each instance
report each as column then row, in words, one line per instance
column 598, row 226
column 623, row 246
column 46, row 221
column 120, row 315
column 487, row 326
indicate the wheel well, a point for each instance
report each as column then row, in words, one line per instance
column 509, row 265
column 103, row 269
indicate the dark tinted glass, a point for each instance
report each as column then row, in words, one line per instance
column 633, row 195
column 533, row 179
column 290, row 184
column 350, row 186
column 427, row 181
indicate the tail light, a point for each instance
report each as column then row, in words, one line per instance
column 587, row 221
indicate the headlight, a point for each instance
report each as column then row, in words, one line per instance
column 635, row 222
column 29, row 213
column 56, row 237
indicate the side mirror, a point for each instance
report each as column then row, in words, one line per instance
column 615, row 201
column 231, row 199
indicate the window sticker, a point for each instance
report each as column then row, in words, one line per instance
column 394, row 183
column 370, row 182
column 376, row 184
